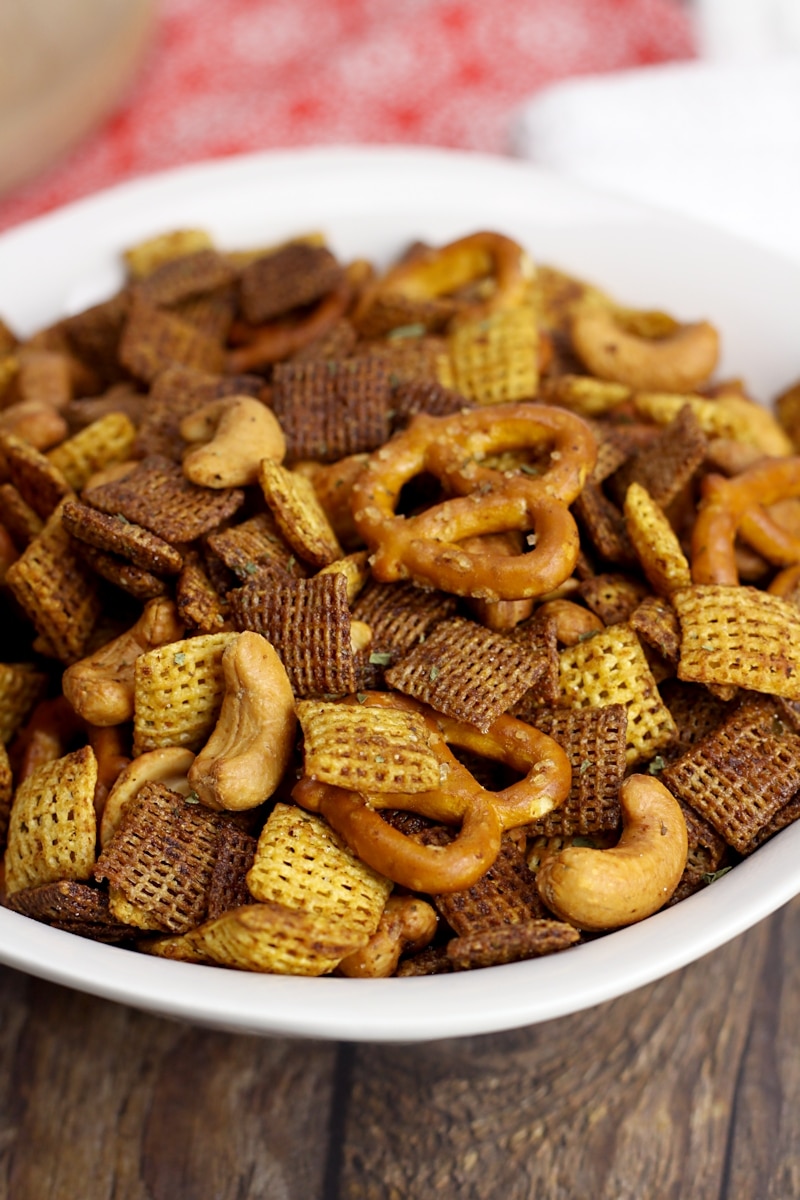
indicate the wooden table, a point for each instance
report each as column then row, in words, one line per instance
column 689, row 1089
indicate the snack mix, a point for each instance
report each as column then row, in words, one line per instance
column 385, row 622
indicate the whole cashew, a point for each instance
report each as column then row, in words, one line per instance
column 407, row 924
column 236, row 432
column 169, row 765
column 100, row 687
column 606, row 889
column 679, row 362
column 245, row 758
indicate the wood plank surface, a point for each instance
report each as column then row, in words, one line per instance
column 688, row 1089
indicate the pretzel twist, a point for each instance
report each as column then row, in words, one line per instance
column 737, row 506
column 432, row 272
column 425, row 547
column 460, row 799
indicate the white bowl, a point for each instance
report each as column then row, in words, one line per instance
column 371, row 202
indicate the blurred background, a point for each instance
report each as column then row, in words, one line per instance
column 692, row 104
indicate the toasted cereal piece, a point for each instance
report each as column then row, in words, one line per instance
column 200, row 606
column 505, row 895
column 611, row 668
column 9, row 369
column 56, row 590
column 539, row 636
column 728, row 416
column 389, row 312
column 37, row 480
column 741, row 774
column 604, row 526
column 367, row 749
column 432, row 960
column 655, row 541
column 510, row 943
column 53, row 828
column 656, row 624
column 667, row 463
column 612, row 450
column 254, row 548
column 308, row 623
column 413, row 396
column 466, row 671
column 93, row 335
column 162, row 856
column 695, row 710
column 117, row 535
column 291, row 277
column 133, row 915
column 785, row 816
column 401, row 614
column 337, row 342
column 594, row 740
column 107, row 440
column 585, row 395
column 355, row 568
column 6, row 793
column 739, row 636
column 176, row 392
column 331, row 410
column 137, row 582
column 72, row 906
column 302, row 865
column 707, row 854
column 236, row 852
column 154, row 339
column 185, row 277
column 409, row 355
column 267, row 938
column 43, row 375
column 612, row 597
column 146, row 256
column 21, row 685
column 157, row 495
column 496, row 360
column 21, row 521
column 298, row 514
column 178, row 692
column 212, row 313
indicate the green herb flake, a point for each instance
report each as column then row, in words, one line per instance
column 379, row 758
column 434, row 674
column 706, row 646
column 712, row 876
column 406, row 331
column 192, row 798
column 656, row 766
column 379, row 658
column 584, row 767
column 250, row 568
column 361, row 697
column 179, row 659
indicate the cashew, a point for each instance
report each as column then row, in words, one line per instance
column 573, row 621
column 678, row 362
column 245, row 758
column 169, row 765
column 605, row 889
column 100, row 687
column 407, row 924
column 236, row 432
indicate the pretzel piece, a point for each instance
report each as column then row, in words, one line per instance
column 425, row 547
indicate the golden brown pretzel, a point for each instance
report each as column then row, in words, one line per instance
column 425, row 547
column 732, row 505
column 432, row 272
column 483, row 815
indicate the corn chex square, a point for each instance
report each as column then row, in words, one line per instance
column 655, row 542
column 611, row 668
column 178, row 691
column 53, row 826
column 367, row 749
column 495, row 360
column 21, row 685
column 266, row 938
column 107, row 440
column 739, row 636
column 303, row 865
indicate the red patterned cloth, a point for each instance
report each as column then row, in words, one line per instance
column 230, row 76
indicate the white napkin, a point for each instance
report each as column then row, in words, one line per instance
column 718, row 140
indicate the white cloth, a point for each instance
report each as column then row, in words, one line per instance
column 718, row 140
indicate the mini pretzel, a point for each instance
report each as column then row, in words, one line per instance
column 280, row 339
column 430, row 273
column 483, row 815
column 425, row 547
column 731, row 506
